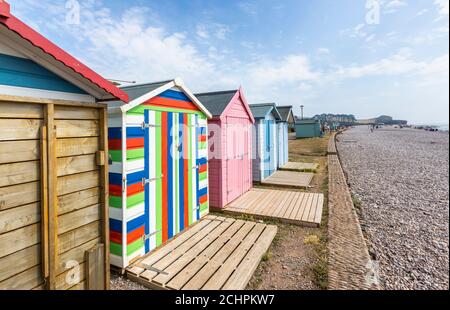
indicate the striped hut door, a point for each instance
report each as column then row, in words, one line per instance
column 153, row 178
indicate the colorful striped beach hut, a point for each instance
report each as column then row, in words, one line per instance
column 230, row 146
column 158, row 167
column 287, row 118
column 53, row 164
column 265, row 137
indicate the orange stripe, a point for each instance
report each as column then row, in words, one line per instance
column 186, row 171
column 135, row 234
column 170, row 103
column 203, row 168
column 203, row 199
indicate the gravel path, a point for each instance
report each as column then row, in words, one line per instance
column 401, row 176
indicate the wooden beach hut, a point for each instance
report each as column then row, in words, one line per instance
column 264, row 140
column 230, row 146
column 308, row 128
column 53, row 178
column 287, row 118
column 158, row 167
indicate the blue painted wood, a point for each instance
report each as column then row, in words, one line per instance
column 21, row 72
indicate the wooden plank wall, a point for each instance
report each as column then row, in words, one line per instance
column 77, row 209
column 20, row 197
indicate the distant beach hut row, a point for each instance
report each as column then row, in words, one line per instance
column 171, row 155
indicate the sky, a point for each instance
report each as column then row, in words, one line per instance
column 361, row 57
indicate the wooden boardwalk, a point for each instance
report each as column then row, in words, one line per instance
column 218, row 253
column 298, row 166
column 298, row 208
column 289, row 179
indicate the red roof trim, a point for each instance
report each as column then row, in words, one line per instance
column 14, row 24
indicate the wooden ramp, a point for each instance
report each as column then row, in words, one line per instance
column 218, row 253
column 289, row 179
column 298, row 208
column 297, row 166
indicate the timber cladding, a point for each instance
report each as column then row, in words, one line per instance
column 53, row 194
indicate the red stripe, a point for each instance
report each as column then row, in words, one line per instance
column 186, row 171
column 164, row 133
column 171, row 103
column 203, row 138
column 203, row 199
column 115, row 237
column 203, row 168
column 135, row 234
column 115, row 144
column 115, row 190
column 132, row 143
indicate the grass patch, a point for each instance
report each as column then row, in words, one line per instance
column 356, row 202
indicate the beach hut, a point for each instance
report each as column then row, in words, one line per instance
column 230, row 146
column 264, row 140
column 53, row 177
column 308, row 128
column 287, row 119
column 287, row 115
column 158, row 167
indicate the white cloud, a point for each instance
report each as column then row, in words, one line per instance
column 323, row 50
column 393, row 6
column 248, row 7
column 398, row 64
column 218, row 31
column 422, row 12
column 443, row 6
column 355, row 32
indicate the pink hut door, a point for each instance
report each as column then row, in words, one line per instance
column 235, row 150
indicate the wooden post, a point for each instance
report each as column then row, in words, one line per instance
column 44, row 204
column 52, row 195
column 105, row 191
column 95, row 268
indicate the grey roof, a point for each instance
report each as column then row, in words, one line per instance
column 138, row 90
column 216, row 102
column 284, row 112
column 307, row 121
column 261, row 110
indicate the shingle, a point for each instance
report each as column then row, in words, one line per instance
column 284, row 112
column 216, row 102
column 260, row 110
column 136, row 91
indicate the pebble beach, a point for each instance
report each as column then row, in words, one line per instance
column 401, row 179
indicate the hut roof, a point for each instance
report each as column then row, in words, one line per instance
column 261, row 110
column 38, row 45
column 216, row 102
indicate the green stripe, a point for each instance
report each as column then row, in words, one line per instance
column 204, row 206
column 140, row 110
column 115, row 202
column 157, row 145
column 135, row 200
column 202, row 145
column 134, row 154
column 189, row 151
column 115, row 248
column 203, row 176
column 116, row 156
column 135, row 246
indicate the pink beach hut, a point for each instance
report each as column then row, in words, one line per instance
column 230, row 146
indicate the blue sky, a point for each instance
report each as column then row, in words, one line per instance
column 324, row 54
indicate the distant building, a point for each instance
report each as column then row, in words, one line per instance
column 308, row 128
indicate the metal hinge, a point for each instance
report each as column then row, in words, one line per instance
column 195, row 167
column 145, row 125
column 147, row 181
